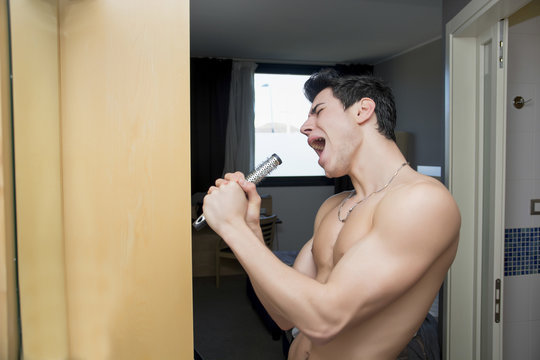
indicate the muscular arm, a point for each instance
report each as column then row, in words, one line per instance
column 412, row 228
column 303, row 263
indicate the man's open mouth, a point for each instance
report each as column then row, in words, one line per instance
column 317, row 144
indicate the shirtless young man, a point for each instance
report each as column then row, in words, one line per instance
column 362, row 285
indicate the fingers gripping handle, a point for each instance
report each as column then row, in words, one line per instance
column 255, row 177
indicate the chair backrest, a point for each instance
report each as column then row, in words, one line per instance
column 268, row 227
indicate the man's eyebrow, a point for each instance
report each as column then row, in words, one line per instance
column 314, row 109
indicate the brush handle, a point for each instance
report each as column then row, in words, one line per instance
column 260, row 172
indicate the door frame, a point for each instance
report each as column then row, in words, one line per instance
column 462, row 300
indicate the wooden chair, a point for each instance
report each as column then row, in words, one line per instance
column 268, row 227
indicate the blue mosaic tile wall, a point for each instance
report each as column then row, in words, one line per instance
column 521, row 251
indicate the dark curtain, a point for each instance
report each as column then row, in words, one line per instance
column 344, row 183
column 210, row 82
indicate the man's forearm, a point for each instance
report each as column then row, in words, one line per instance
column 282, row 322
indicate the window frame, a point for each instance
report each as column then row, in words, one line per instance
column 282, row 181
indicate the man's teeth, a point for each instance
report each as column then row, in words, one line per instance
column 318, row 144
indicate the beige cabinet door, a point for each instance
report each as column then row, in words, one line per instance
column 102, row 164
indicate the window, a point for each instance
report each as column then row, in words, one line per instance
column 280, row 110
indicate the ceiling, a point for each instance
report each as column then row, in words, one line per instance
column 312, row 31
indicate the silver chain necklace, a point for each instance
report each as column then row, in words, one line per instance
column 365, row 198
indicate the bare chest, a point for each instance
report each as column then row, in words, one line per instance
column 333, row 238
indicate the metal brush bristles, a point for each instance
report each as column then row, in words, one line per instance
column 255, row 177
column 264, row 169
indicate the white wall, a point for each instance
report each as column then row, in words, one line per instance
column 521, row 291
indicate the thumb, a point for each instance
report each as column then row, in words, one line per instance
column 254, row 200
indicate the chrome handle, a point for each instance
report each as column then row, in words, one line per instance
column 519, row 102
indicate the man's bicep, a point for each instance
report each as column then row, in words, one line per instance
column 369, row 277
column 304, row 262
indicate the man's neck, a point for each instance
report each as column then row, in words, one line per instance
column 377, row 160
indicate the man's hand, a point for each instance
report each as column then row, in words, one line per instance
column 234, row 202
column 254, row 200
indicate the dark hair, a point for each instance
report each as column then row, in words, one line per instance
column 350, row 89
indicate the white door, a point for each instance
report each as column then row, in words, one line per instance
column 476, row 158
column 491, row 174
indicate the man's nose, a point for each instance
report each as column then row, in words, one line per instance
column 307, row 126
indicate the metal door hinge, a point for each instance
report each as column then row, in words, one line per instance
column 498, row 300
column 501, row 44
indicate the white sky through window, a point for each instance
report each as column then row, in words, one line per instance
column 280, row 110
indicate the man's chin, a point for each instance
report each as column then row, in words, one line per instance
column 329, row 171
column 331, row 174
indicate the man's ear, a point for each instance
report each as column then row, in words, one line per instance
column 365, row 109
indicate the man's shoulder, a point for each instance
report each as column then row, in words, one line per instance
column 420, row 201
column 421, row 188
